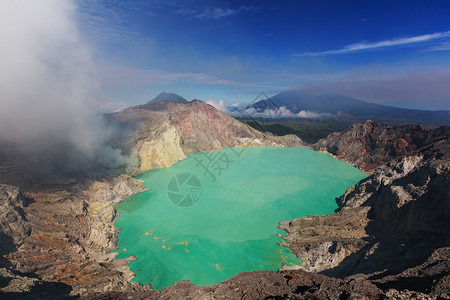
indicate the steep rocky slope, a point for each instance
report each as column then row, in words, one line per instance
column 61, row 231
column 14, row 227
column 392, row 227
column 69, row 236
column 164, row 132
column 368, row 145
column 264, row 285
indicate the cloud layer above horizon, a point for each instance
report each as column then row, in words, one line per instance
column 382, row 52
column 236, row 49
column 402, row 41
column 248, row 112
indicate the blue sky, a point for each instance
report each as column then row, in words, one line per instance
column 389, row 52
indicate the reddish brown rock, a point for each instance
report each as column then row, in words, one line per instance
column 368, row 145
column 391, row 231
column 164, row 132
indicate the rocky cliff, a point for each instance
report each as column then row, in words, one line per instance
column 368, row 145
column 14, row 226
column 64, row 237
column 392, row 228
column 58, row 233
column 395, row 223
column 163, row 132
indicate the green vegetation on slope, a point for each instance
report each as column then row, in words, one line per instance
column 308, row 130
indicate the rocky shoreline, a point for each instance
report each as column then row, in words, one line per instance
column 70, row 238
column 393, row 224
column 390, row 237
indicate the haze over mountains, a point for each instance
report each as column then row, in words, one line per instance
column 296, row 104
column 303, row 104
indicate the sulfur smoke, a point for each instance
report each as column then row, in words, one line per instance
column 47, row 83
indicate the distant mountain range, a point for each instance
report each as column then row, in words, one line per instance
column 301, row 105
column 347, row 108
column 170, row 97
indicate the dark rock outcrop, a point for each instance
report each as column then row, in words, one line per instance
column 323, row 242
column 72, row 234
column 368, row 145
column 14, row 227
column 393, row 226
column 264, row 285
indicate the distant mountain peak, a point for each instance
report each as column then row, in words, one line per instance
column 342, row 107
column 172, row 97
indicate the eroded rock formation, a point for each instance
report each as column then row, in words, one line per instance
column 368, row 145
column 164, row 132
column 70, row 236
column 391, row 229
column 14, row 226
column 393, row 225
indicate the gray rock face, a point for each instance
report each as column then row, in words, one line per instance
column 66, row 234
column 14, row 228
column 391, row 229
column 368, row 145
column 72, row 234
column 16, row 283
column 323, row 242
column 417, row 199
column 395, row 220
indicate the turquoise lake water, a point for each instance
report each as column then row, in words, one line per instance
column 215, row 214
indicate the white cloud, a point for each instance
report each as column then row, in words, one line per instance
column 220, row 105
column 361, row 46
column 277, row 113
column 102, row 21
column 184, row 12
column 312, row 115
column 444, row 46
column 213, row 13
column 109, row 107
column 114, row 75
column 218, row 13
column 244, row 111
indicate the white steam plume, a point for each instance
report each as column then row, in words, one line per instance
column 47, row 81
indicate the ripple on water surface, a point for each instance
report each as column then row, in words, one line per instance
column 215, row 214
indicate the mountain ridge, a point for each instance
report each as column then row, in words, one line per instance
column 345, row 107
column 172, row 97
column 182, row 129
column 398, row 212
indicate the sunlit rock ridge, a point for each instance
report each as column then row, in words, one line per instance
column 164, row 132
column 390, row 237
